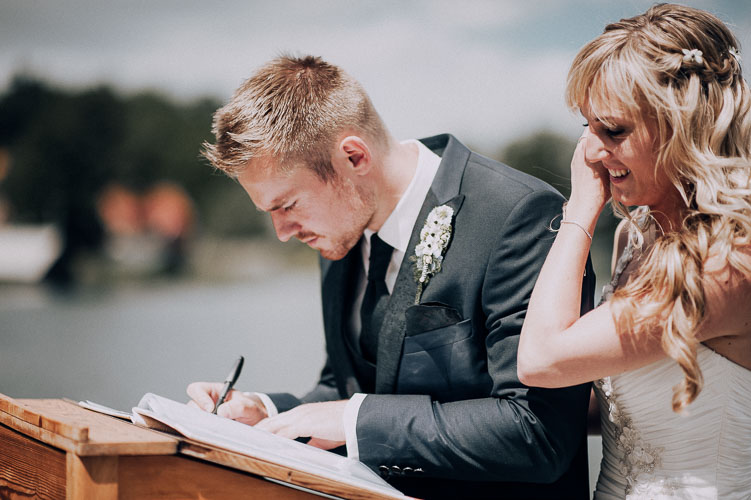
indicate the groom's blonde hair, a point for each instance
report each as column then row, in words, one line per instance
column 292, row 109
column 703, row 113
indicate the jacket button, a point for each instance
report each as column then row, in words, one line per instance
column 395, row 469
column 384, row 471
column 419, row 470
column 408, row 470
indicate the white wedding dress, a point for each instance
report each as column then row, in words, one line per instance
column 651, row 452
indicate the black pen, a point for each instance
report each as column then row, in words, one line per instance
column 229, row 382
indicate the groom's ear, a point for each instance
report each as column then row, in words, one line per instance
column 352, row 156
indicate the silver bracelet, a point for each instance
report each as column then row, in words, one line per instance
column 580, row 226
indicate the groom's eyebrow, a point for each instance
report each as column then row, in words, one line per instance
column 276, row 204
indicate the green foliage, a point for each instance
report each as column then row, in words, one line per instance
column 59, row 145
column 545, row 155
column 66, row 146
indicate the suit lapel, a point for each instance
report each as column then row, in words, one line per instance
column 444, row 190
column 336, row 299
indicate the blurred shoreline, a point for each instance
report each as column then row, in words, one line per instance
column 208, row 259
column 111, row 340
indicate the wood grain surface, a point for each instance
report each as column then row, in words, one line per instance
column 29, row 469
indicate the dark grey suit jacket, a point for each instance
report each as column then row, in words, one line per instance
column 450, row 418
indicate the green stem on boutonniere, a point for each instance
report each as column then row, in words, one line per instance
column 419, row 293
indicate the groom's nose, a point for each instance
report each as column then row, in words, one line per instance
column 285, row 228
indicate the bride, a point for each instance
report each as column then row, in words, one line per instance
column 669, row 132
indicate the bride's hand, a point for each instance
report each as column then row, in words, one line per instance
column 590, row 184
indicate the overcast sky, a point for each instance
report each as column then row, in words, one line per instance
column 487, row 71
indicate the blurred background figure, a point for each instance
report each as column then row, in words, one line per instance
column 168, row 211
column 147, row 233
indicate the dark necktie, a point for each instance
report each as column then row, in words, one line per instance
column 375, row 298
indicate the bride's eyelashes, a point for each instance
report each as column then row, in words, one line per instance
column 615, row 132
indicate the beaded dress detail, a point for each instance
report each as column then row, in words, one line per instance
column 651, row 452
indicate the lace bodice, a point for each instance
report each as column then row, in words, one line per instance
column 650, row 452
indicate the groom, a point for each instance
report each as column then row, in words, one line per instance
column 430, row 253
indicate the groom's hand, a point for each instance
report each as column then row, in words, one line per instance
column 243, row 407
column 321, row 422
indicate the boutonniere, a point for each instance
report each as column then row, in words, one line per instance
column 434, row 239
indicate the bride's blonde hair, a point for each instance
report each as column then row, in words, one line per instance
column 702, row 107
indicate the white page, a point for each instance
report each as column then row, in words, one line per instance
column 244, row 439
column 91, row 405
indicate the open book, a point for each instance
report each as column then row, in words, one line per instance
column 164, row 414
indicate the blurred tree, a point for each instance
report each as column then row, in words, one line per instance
column 59, row 145
column 66, row 146
column 545, row 155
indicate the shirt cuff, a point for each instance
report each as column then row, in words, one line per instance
column 350, row 424
column 271, row 410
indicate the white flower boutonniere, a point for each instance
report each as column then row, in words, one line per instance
column 434, row 239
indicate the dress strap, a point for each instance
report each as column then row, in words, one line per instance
column 627, row 255
column 623, row 260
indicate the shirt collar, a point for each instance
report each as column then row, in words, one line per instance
column 397, row 229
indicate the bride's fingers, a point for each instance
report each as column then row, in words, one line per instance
column 589, row 179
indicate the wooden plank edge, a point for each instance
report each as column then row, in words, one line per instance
column 78, row 433
column 93, row 449
column 19, row 410
column 87, row 448
column 12, row 407
column 74, row 432
column 167, row 446
column 275, row 471
column 36, row 432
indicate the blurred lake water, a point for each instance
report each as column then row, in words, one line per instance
column 113, row 344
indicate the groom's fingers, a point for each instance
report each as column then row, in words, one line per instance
column 204, row 394
column 244, row 408
column 283, row 425
column 324, row 444
column 322, row 420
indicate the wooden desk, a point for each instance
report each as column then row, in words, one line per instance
column 52, row 448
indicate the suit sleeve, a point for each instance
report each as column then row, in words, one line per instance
column 325, row 390
column 517, row 433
